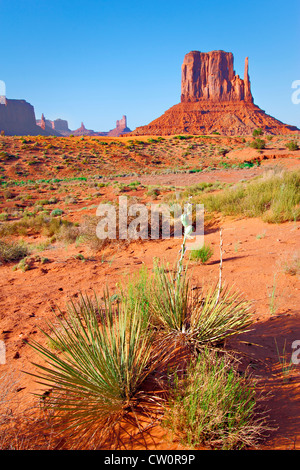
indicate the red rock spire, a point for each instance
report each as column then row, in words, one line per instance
column 247, row 93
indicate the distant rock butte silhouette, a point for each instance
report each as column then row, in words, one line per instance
column 214, row 99
column 61, row 126
column 121, row 128
column 17, row 118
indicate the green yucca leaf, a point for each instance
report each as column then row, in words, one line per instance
column 102, row 356
column 207, row 318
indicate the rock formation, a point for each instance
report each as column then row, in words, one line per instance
column 214, row 99
column 61, row 127
column 82, row 130
column 17, row 117
column 121, row 128
column 210, row 76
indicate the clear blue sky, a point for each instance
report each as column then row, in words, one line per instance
column 95, row 60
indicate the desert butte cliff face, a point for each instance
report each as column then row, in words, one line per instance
column 17, row 118
column 214, row 99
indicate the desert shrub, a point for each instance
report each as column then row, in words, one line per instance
column 153, row 192
column 182, row 137
column 258, row 144
column 56, row 212
column 40, row 223
column 211, row 404
column 100, row 359
column 134, row 184
column 68, row 233
column 87, row 232
column 202, row 254
column 89, row 225
column 275, row 198
column 223, row 151
column 3, row 216
column 12, row 251
column 24, row 265
column 292, row 145
column 257, row 132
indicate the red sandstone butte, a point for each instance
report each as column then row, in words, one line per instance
column 121, row 128
column 214, row 99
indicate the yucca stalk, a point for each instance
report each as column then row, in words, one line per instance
column 102, row 356
column 202, row 317
column 218, row 316
column 198, row 317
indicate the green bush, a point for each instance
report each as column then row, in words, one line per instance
column 257, row 132
column 56, row 212
column 292, row 145
column 258, row 144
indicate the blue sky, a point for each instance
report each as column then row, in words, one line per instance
column 94, row 61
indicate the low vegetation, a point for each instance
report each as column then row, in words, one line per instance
column 274, row 197
column 12, row 251
column 143, row 351
column 155, row 349
column 211, row 403
column 258, row 144
column 292, row 145
column 202, row 254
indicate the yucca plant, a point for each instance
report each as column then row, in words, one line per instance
column 199, row 317
column 196, row 318
column 101, row 357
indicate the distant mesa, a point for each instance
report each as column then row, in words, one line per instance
column 17, row 118
column 214, row 99
column 61, row 126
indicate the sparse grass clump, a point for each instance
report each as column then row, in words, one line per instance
column 12, row 251
column 211, row 404
column 202, row 254
column 275, row 198
column 41, row 223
